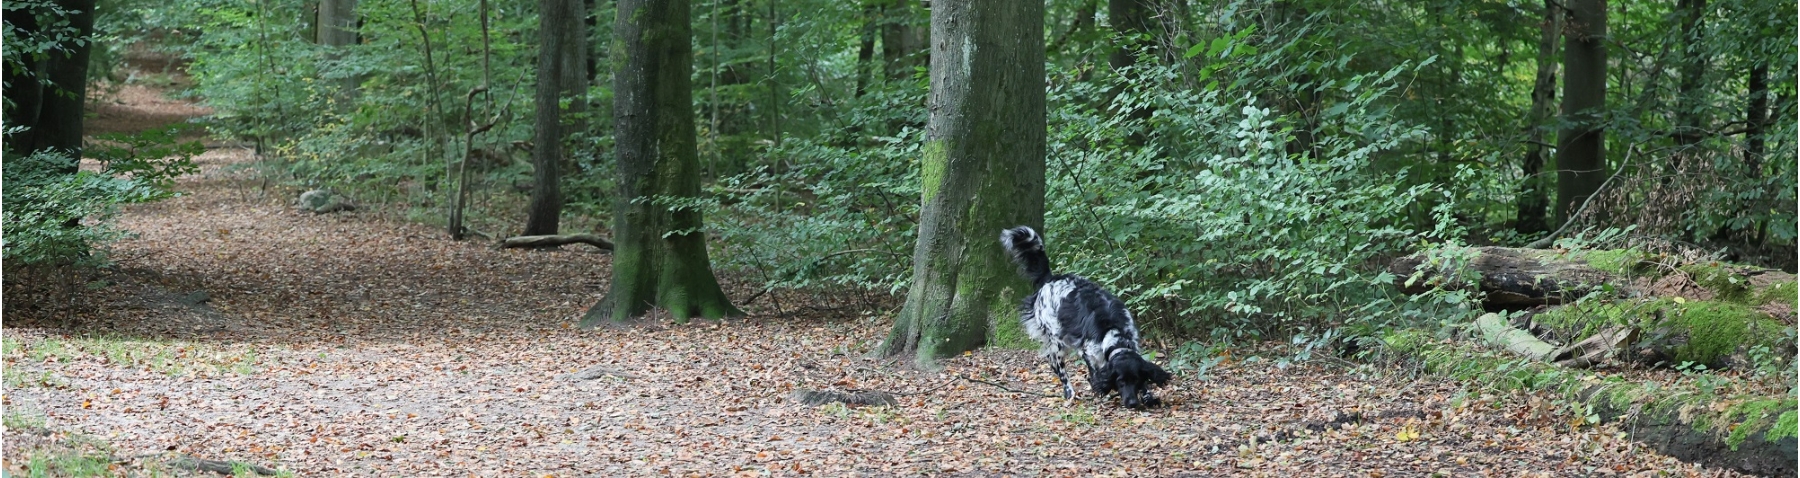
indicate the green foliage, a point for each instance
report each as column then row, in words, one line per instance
column 57, row 215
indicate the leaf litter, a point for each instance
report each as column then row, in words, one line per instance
column 357, row 344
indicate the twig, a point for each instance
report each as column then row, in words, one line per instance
column 1009, row 389
column 1549, row 239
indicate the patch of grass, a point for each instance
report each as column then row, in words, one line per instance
column 70, row 463
column 15, row 419
column 172, row 358
column 1079, row 415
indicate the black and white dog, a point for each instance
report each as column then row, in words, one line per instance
column 1067, row 311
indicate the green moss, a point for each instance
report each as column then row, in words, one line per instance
column 1785, row 426
column 1748, row 417
column 932, row 164
column 1720, row 279
column 1684, row 402
column 1780, row 292
column 1007, row 333
column 1713, row 329
column 1623, row 262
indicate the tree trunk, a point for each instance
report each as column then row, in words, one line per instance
column 337, row 23
column 1083, row 21
column 865, row 52
column 983, row 163
column 561, row 73
column 1693, row 67
column 902, row 38
column 659, row 259
column 49, row 99
column 1755, row 116
column 1534, row 189
column 1581, row 145
column 1131, row 21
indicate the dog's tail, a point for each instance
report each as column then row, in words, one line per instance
column 1027, row 249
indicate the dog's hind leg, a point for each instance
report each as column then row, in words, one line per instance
column 1054, row 354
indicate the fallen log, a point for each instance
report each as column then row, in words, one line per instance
column 539, row 242
column 1500, row 333
column 1512, row 278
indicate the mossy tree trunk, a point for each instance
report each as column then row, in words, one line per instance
column 983, row 172
column 561, row 74
column 659, row 255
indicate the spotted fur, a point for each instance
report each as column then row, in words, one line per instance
column 1067, row 311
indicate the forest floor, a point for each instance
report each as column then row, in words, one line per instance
column 234, row 327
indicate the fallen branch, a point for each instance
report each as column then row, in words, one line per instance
column 1009, row 389
column 1596, row 348
column 1500, row 333
column 539, row 242
column 855, row 399
column 221, row 467
column 596, row 372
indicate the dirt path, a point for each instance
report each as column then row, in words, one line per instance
column 349, row 345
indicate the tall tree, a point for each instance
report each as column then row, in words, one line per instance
column 1693, row 67
column 1533, row 191
column 46, row 89
column 561, row 74
column 659, row 256
column 1131, row 20
column 1581, row 145
column 902, row 38
column 983, row 163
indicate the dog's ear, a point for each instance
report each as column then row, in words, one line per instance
column 1104, row 380
column 1158, row 376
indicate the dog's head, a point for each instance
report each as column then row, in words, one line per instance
column 1132, row 376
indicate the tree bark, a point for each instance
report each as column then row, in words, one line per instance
column 660, row 257
column 1693, row 67
column 902, row 38
column 1512, row 278
column 49, row 98
column 337, row 28
column 983, row 163
column 1755, row 116
column 1131, row 21
column 1581, row 145
column 561, row 73
column 1534, row 189
column 865, row 52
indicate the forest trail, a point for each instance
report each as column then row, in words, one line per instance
column 235, row 327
